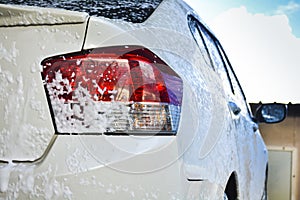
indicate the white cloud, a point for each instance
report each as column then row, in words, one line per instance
column 290, row 8
column 264, row 54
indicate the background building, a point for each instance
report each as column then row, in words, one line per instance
column 283, row 143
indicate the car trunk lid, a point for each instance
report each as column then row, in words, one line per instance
column 26, row 126
column 26, row 15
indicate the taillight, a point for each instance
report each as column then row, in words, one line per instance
column 113, row 90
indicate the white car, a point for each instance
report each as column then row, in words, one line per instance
column 123, row 100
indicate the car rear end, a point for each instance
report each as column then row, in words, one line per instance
column 91, row 106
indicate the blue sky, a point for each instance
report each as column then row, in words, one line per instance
column 211, row 8
column 262, row 40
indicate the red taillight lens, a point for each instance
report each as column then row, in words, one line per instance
column 114, row 89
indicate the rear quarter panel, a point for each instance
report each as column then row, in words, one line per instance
column 206, row 141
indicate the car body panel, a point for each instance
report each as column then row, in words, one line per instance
column 81, row 170
column 204, row 134
column 247, row 133
column 26, row 125
column 257, row 156
column 27, row 16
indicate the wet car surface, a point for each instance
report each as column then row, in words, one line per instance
column 122, row 100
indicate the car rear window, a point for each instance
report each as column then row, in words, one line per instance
column 135, row 11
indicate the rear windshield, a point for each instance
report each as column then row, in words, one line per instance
column 136, row 11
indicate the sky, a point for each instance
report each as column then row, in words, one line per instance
column 262, row 41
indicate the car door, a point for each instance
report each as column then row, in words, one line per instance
column 251, row 148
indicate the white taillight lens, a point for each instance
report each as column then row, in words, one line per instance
column 113, row 90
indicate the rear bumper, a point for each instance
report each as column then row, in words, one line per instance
column 99, row 167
